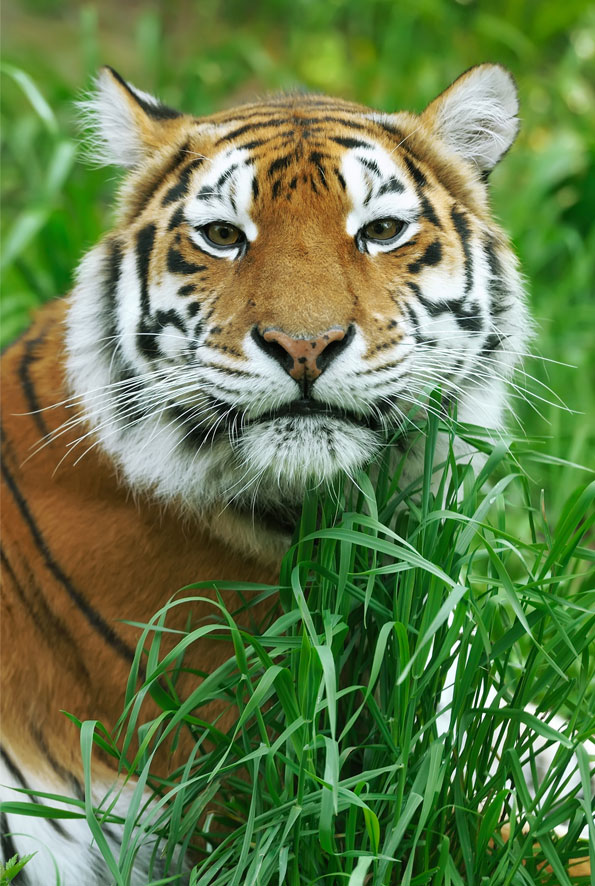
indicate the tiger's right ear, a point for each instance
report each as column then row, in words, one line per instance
column 126, row 125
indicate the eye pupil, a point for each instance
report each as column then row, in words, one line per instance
column 383, row 229
column 221, row 234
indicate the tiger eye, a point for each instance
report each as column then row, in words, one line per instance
column 383, row 229
column 222, row 234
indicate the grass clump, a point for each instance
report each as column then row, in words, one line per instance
column 415, row 710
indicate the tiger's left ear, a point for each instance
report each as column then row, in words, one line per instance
column 126, row 125
column 477, row 115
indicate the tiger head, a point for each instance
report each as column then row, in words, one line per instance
column 286, row 280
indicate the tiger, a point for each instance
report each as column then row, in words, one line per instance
column 283, row 283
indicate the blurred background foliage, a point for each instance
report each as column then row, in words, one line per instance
column 389, row 54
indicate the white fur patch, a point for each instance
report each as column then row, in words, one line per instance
column 477, row 116
column 106, row 113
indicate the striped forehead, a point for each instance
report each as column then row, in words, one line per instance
column 225, row 191
column 377, row 186
column 320, row 149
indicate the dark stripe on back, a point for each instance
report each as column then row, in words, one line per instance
column 51, row 627
column 23, row 371
column 92, row 616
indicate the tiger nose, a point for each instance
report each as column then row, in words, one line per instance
column 303, row 358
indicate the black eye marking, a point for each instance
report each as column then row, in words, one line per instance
column 431, row 256
column 177, row 264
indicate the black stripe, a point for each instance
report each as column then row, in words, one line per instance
column 497, row 287
column 18, row 776
column 463, row 230
column 29, row 356
column 93, row 617
column 143, row 197
column 491, row 344
column 248, row 127
column 177, row 219
column 431, row 256
column 45, row 620
column 340, row 179
column 416, row 173
column 279, row 164
column 391, row 186
column 180, row 189
column 177, row 264
column 225, row 176
column 428, row 212
column 145, row 240
column 61, row 771
column 370, row 165
column 467, row 316
column 112, row 268
column 349, row 142
column 188, row 289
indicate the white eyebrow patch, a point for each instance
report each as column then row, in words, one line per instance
column 378, row 188
column 224, row 193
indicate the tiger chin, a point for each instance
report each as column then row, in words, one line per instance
column 285, row 281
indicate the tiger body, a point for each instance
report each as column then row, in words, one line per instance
column 284, row 282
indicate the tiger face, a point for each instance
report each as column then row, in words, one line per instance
column 286, row 281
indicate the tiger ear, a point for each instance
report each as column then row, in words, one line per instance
column 125, row 124
column 477, row 115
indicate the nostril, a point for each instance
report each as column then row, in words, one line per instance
column 334, row 348
column 273, row 349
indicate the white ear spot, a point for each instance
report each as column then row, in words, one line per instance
column 477, row 115
column 117, row 117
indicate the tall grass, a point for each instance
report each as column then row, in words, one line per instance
column 414, row 710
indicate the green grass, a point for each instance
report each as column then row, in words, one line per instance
column 336, row 770
column 349, row 780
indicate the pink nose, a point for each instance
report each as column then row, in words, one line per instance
column 304, row 352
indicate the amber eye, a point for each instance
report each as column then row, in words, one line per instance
column 222, row 234
column 383, row 229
